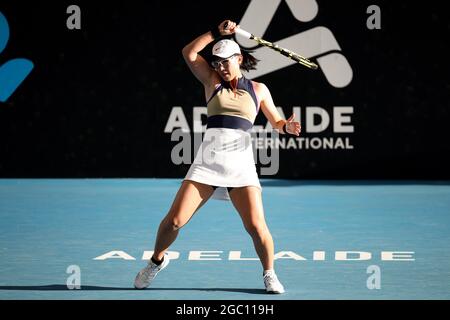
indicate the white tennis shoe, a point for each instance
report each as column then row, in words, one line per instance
column 146, row 275
column 273, row 285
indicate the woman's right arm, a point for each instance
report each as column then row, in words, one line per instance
column 197, row 63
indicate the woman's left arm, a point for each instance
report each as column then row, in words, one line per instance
column 272, row 114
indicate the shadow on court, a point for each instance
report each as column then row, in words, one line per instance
column 60, row 287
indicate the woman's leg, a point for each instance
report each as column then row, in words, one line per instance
column 248, row 202
column 190, row 197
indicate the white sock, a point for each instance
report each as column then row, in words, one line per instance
column 268, row 271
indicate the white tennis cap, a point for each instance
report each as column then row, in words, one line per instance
column 225, row 48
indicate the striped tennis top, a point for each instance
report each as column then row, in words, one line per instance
column 234, row 108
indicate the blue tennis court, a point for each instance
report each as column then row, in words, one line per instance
column 327, row 235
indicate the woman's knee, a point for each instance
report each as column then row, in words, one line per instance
column 173, row 223
column 256, row 228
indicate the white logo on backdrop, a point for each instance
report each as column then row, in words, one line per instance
column 318, row 42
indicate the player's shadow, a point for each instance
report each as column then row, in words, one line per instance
column 60, row 287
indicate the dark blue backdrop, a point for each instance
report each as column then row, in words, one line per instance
column 98, row 99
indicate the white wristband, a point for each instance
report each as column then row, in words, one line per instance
column 243, row 33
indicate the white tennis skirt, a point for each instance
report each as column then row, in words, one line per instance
column 224, row 159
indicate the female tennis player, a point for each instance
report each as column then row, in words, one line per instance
column 224, row 166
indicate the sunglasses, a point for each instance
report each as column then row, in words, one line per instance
column 216, row 64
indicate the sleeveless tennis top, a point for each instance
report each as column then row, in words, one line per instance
column 234, row 108
column 225, row 158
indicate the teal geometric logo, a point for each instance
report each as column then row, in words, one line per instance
column 12, row 72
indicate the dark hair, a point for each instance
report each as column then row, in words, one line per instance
column 249, row 62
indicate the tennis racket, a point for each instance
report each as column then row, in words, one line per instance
column 285, row 52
